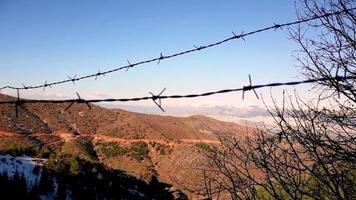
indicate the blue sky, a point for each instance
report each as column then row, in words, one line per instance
column 50, row 40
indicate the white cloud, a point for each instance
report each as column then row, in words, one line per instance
column 97, row 95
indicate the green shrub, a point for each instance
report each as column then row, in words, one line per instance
column 139, row 150
column 18, row 148
column 44, row 152
column 204, row 146
column 112, row 149
column 56, row 164
column 65, row 163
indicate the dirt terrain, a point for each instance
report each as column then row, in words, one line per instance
column 172, row 144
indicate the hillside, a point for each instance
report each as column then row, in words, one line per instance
column 50, row 118
column 148, row 147
column 33, row 178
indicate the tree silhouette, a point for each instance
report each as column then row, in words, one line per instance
column 310, row 153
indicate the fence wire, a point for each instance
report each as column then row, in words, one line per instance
column 161, row 57
column 157, row 98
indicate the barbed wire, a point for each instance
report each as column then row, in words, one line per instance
column 157, row 98
column 161, row 57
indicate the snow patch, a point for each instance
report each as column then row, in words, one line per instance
column 135, row 192
column 29, row 168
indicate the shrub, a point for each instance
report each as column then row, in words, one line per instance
column 139, row 150
column 88, row 147
column 75, row 166
column 65, row 163
column 18, row 147
column 112, row 149
column 203, row 146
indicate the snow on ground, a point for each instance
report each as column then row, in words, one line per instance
column 29, row 168
column 135, row 192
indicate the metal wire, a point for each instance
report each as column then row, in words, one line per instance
column 163, row 57
column 159, row 97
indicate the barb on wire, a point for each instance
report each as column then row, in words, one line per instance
column 73, row 79
column 161, row 57
column 79, row 100
column 46, row 85
column 157, row 98
column 128, row 66
column 249, row 87
column 278, row 26
column 240, row 36
column 198, row 48
column 24, row 86
column 98, row 74
column 70, row 105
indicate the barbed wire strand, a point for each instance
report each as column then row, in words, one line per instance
column 157, row 98
column 163, row 57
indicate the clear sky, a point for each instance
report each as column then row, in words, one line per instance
column 50, row 40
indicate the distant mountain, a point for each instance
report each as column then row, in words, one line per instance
column 145, row 146
column 49, row 118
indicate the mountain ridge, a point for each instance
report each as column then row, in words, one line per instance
column 78, row 119
column 145, row 146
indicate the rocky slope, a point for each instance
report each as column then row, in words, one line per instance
column 145, row 146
